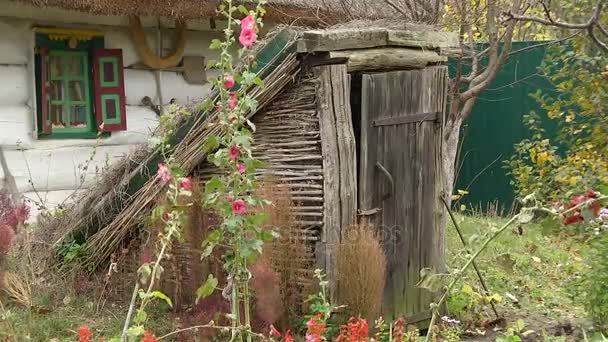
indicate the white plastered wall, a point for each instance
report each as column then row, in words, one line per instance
column 49, row 169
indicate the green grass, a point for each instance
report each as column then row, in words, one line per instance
column 528, row 270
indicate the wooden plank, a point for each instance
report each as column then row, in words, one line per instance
column 389, row 58
column 399, row 120
column 410, row 151
column 361, row 38
column 340, row 82
column 339, row 161
column 423, row 39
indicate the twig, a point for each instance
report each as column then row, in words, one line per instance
column 464, row 243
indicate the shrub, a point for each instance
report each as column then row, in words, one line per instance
column 361, row 272
column 591, row 289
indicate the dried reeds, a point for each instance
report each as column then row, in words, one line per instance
column 17, row 289
column 290, row 254
column 361, row 271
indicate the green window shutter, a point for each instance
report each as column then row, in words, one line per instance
column 110, row 108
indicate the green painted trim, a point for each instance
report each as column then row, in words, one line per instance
column 104, row 109
column 102, row 61
column 72, row 135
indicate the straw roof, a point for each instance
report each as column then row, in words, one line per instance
column 323, row 12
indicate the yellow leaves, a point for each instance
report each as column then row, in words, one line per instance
column 459, row 195
column 543, row 157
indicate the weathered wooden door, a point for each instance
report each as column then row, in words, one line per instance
column 400, row 179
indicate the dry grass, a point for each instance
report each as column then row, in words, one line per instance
column 17, row 289
column 289, row 254
column 361, row 271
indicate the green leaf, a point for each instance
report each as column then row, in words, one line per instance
column 140, row 317
column 210, row 144
column 207, row 288
column 162, row 296
column 214, row 184
column 216, row 44
column 136, row 331
column 268, row 235
column 243, row 10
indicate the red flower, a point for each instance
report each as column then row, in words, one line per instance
column 239, row 207
column 288, row 337
column 274, row 332
column 232, row 101
column 185, row 183
column 166, row 215
column 575, row 216
column 229, row 81
column 84, row 334
column 148, row 337
column 315, row 329
column 218, row 107
column 247, row 37
column 241, row 168
column 234, row 152
column 356, row 330
column 248, row 22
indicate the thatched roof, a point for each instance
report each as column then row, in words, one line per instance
column 322, row 12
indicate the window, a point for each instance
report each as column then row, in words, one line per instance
column 80, row 85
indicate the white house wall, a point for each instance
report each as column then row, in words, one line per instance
column 52, row 165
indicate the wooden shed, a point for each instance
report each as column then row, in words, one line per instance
column 350, row 121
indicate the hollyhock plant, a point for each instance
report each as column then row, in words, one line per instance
column 229, row 81
column 241, row 168
column 234, row 152
column 239, row 207
column 232, row 101
column 247, row 37
column 185, row 183
column 163, row 173
column 248, row 22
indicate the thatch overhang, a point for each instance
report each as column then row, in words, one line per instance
column 299, row 12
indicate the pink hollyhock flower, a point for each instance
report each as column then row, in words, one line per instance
column 241, row 168
column 247, row 37
column 163, row 173
column 274, row 332
column 239, row 207
column 185, row 183
column 218, row 107
column 234, row 152
column 229, row 81
column 232, row 101
column 248, row 22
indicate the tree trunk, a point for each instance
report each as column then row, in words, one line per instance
column 451, row 135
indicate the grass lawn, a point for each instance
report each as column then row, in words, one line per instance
column 523, row 268
column 527, row 270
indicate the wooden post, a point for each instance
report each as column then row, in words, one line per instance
column 339, row 162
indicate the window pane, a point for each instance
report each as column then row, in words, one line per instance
column 111, row 106
column 56, row 66
column 56, row 91
column 58, row 115
column 75, row 69
column 79, row 116
column 77, row 91
column 108, row 72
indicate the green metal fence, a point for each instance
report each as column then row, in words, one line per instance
column 495, row 125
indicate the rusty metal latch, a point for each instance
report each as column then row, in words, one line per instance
column 390, row 180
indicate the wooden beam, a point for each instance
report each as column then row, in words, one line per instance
column 339, row 162
column 348, row 39
column 389, row 58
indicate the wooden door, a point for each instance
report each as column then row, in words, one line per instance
column 400, row 180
